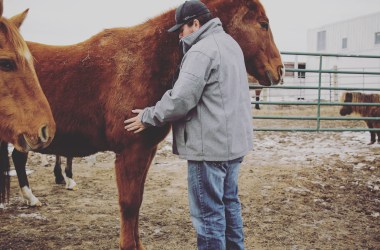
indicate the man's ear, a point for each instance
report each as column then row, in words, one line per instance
column 196, row 24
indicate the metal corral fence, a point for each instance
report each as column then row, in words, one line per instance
column 312, row 85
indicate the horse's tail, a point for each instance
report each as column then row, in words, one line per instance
column 4, row 173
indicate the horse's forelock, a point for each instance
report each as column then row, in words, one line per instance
column 14, row 37
column 342, row 97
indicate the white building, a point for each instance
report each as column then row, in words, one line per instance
column 358, row 36
column 290, row 79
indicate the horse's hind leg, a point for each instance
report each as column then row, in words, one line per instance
column 19, row 160
column 59, row 179
column 70, row 183
column 131, row 170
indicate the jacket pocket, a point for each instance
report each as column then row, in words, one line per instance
column 185, row 135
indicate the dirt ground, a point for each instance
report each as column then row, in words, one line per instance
column 298, row 191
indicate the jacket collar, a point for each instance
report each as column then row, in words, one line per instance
column 205, row 30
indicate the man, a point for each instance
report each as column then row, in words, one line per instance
column 209, row 108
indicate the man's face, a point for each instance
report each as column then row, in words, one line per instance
column 186, row 30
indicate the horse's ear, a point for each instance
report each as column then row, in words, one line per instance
column 250, row 4
column 19, row 19
column 1, row 8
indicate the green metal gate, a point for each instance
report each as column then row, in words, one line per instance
column 317, row 118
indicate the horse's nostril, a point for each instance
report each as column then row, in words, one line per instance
column 44, row 133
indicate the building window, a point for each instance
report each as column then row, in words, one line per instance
column 377, row 38
column 289, row 65
column 301, row 66
column 344, row 43
column 321, row 40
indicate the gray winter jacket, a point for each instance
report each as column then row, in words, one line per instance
column 209, row 104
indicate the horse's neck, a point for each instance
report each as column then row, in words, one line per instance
column 160, row 49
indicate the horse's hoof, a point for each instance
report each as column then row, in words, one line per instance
column 29, row 197
column 71, row 184
column 372, row 142
column 34, row 203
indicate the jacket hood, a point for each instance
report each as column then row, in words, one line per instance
column 208, row 28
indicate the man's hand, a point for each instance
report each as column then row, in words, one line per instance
column 134, row 124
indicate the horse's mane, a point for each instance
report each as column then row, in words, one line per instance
column 14, row 37
column 358, row 97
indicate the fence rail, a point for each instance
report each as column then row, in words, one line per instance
column 318, row 102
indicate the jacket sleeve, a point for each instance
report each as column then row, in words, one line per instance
column 186, row 93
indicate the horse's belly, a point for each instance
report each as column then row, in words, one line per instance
column 74, row 145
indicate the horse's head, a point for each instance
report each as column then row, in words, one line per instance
column 26, row 119
column 346, row 110
column 247, row 23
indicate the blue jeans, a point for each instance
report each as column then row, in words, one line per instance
column 214, row 204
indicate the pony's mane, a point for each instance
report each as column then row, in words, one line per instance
column 14, row 37
column 361, row 97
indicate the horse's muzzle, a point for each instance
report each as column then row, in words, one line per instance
column 27, row 142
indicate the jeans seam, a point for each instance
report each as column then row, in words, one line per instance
column 202, row 201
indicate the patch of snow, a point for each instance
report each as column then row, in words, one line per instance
column 13, row 172
column 36, row 216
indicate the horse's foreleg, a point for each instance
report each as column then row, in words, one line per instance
column 377, row 125
column 70, row 183
column 131, row 170
column 373, row 134
column 137, row 236
column 257, row 92
column 4, row 176
column 59, row 179
column 19, row 160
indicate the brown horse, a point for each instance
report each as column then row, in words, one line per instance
column 93, row 86
column 364, row 111
column 26, row 119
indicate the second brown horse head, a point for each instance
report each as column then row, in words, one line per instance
column 247, row 22
column 26, row 119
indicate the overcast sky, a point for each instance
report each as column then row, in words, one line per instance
column 70, row 21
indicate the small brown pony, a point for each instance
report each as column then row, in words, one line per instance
column 92, row 87
column 364, row 111
column 26, row 120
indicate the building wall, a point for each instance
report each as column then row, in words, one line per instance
column 360, row 34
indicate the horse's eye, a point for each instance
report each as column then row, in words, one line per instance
column 7, row 65
column 264, row 25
